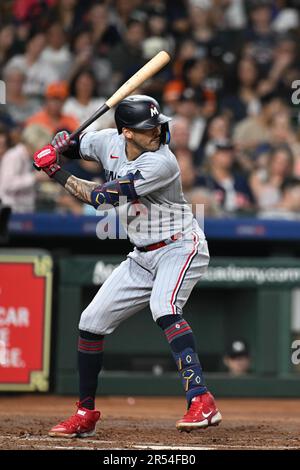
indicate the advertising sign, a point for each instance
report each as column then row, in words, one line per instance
column 25, row 321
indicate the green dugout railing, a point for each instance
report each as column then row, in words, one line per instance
column 248, row 298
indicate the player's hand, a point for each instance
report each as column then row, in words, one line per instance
column 46, row 159
column 61, row 141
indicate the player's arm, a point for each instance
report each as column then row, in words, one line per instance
column 81, row 189
column 86, row 191
column 98, row 195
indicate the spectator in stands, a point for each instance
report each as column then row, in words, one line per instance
column 82, row 51
column 158, row 38
column 31, row 10
column 260, row 35
column 105, row 34
column 70, row 14
column 281, row 129
column 172, row 92
column 126, row 57
column 196, row 78
column 290, row 201
column 19, row 106
column 243, row 100
column 180, row 131
column 229, row 188
column 52, row 116
column 124, row 11
column 237, row 358
column 186, row 50
column 190, row 107
column 218, row 129
column 202, row 27
column 289, row 205
column 282, row 133
column 266, row 183
column 285, row 69
column 57, row 54
column 84, row 101
column 7, row 37
column 38, row 72
column 200, row 198
column 188, row 172
column 83, row 56
column 234, row 13
column 17, row 176
column 255, row 130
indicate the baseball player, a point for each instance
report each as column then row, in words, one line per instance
column 170, row 253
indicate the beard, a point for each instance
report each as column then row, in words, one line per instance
column 152, row 146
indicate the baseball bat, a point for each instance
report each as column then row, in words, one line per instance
column 148, row 70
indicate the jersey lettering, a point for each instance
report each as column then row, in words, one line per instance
column 110, row 175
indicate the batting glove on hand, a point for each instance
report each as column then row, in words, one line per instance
column 61, row 141
column 46, row 160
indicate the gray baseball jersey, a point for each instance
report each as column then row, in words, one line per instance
column 162, row 278
column 162, row 210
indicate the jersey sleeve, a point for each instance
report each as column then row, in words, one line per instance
column 154, row 172
column 94, row 145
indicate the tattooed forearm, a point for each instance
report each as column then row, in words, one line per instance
column 81, row 189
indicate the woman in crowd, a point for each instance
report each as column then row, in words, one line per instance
column 244, row 100
column 84, row 101
column 266, row 183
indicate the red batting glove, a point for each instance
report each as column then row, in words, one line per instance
column 46, row 160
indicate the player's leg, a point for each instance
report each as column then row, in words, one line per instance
column 179, row 268
column 124, row 293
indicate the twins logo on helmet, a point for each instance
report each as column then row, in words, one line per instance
column 153, row 110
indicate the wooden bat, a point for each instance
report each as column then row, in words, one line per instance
column 148, row 70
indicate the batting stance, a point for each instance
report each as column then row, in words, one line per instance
column 169, row 255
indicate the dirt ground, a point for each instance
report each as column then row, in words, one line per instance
column 149, row 423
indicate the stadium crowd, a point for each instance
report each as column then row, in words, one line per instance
column 231, row 88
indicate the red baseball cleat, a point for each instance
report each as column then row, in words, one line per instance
column 82, row 424
column 202, row 413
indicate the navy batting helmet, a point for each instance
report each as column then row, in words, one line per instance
column 142, row 112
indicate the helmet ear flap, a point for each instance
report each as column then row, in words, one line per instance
column 165, row 135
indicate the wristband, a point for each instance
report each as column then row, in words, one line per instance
column 61, row 176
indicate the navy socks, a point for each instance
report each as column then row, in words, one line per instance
column 90, row 358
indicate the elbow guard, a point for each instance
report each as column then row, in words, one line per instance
column 110, row 193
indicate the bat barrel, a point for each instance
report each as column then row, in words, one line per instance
column 148, row 70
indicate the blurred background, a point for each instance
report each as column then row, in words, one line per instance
column 233, row 91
